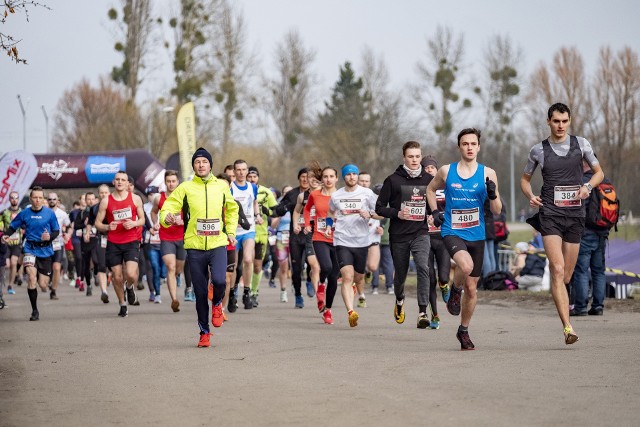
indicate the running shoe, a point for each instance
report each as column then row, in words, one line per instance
column 465, row 341
column 353, row 318
column 423, row 321
column 132, row 299
column 398, row 312
column 453, row 305
column 35, row 315
column 390, row 291
column 254, row 300
column 272, row 284
column 105, row 298
column 175, row 305
column 375, row 291
column 368, row 277
column 326, row 316
column 217, row 318
column 140, row 285
column 81, row 287
column 89, row 292
column 320, row 296
column 78, row 282
column 205, row 340
column 124, row 311
column 189, row 295
column 232, row 305
column 435, row 323
column 246, row 300
column 53, row 295
column 362, row 302
column 310, row 291
column 11, row 291
column 299, row 301
column 570, row 336
column 210, row 292
column 445, row 291
column 283, row 296
column 152, row 297
column 1, row 302
column 157, row 299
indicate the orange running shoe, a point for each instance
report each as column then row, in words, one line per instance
column 320, row 296
column 210, row 293
column 205, row 340
column 328, row 319
column 217, row 318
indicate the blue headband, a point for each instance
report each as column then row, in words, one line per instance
column 350, row 168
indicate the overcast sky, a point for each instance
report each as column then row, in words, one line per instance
column 73, row 41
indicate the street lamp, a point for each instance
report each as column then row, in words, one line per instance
column 46, row 120
column 24, row 124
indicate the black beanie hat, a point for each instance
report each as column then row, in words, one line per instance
column 429, row 160
column 201, row 152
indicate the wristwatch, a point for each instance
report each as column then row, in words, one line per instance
column 589, row 187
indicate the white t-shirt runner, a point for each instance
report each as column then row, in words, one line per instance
column 351, row 230
column 63, row 222
column 246, row 195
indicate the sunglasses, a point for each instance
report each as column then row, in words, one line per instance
column 52, row 200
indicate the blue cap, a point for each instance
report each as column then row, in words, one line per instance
column 349, row 168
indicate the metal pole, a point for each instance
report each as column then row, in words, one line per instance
column 512, row 187
column 46, row 121
column 24, row 124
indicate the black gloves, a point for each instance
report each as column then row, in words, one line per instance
column 438, row 218
column 491, row 189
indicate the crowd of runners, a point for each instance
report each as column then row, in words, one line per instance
column 216, row 235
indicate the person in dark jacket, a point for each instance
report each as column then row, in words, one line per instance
column 403, row 199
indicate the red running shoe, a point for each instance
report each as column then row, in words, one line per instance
column 328, row 319
column 217, row 318
column 320, row 296
column 205, row 340
column 81, row 288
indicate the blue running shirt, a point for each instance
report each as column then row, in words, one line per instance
column 464, row 199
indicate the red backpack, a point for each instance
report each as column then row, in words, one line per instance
column 603, row 210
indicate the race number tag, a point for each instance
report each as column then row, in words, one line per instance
column 208, row 227
column 465, row 218
column 350, row 206
column 301, row 220
column 56, row 245
column 29, row 260
column 321, row 224
column 93, row 232
column 417, row 210
column 566, row 196
column 103, row 242
column 154, row 239
column 285, row 237
column 272, row 240
column 122, row 214
column 312, row 213
column 79, row 232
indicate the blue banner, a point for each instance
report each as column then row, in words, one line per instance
column 103, row 169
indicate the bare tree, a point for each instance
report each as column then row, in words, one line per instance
column 615, row 130
column 134, row 30
column 564, row 81
column 442, row 104
column 290, row 91
column 96, row 119
column 233, row 91
column 8, row 43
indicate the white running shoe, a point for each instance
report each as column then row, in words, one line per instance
column 157, row 299
column 283, row 296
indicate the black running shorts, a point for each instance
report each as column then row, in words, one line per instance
column 357, row 257
column 118, row 253
column 455, row 244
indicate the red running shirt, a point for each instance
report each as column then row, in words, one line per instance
column 321, row 203
column 174, row 232
column 119, row 211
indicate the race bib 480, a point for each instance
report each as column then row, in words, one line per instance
column 465, row 218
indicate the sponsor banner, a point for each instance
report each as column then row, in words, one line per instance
column 18, row 169
column 102, row 169
column 186, row 127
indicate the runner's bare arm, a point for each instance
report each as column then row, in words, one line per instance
column 102, row 210
column 525, row 186
column 297, row 211
column 154, row 211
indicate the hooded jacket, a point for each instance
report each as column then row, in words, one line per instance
column 398, row 188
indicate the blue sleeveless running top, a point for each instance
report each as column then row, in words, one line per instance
column 464, row 199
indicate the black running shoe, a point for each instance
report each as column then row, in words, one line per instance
column 423, row 321
column 124, row 312
column 453, row 305
column 105, row 298
column 89, row 292
column 246, row 300
column 34, row 315
column 132, row 299
column 465, row 341
column 53, row 295
column 254, row 300
column 232, row 305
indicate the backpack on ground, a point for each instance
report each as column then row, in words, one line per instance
column 501, row 230
column 603, row 209
column 499, row 281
